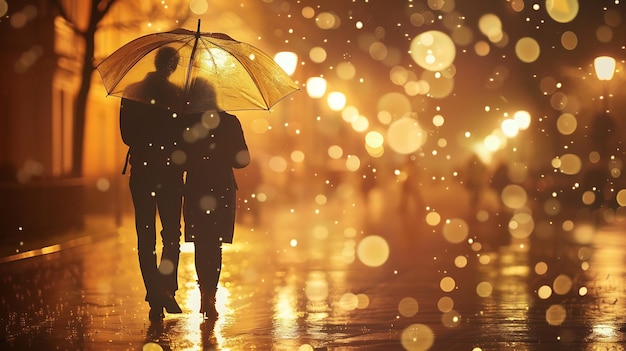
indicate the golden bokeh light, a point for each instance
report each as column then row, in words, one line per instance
column 527, row 49
column 405, row 135
column 373, row 251
column 556, row 314
column 433, row 50
column 562, row 11
column 408, row 307
column 455, row 230
column 417, row 337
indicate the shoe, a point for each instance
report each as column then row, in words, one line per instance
column 156, row 314
column 170, row 304
column 211, row 314
column 207, row 308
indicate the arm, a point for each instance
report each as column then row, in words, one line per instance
column 241, row 155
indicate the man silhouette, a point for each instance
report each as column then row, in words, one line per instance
column 150, row 129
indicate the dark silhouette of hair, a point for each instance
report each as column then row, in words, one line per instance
column 166, row 60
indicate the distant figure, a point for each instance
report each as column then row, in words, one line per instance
column 411, row 200
column 156, row 183
column 474, row 180
column 215, row 144
column 500, row 178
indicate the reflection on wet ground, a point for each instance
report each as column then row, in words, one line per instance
column 315, row 280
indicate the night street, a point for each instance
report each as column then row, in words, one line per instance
column 381, row 175
column 296, row 281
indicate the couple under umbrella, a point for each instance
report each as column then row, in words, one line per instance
column 183, row 146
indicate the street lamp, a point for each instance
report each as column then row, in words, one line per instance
column 605, row 67
column 602, row 131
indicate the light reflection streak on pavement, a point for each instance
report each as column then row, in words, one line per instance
column 279, row 296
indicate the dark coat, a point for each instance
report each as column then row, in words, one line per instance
column 152, row 133
column 214, row 144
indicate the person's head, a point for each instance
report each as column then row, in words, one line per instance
column 166, row 60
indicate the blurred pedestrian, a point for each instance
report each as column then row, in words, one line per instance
column 474, row 181
column 215, row 145
column 155, row 181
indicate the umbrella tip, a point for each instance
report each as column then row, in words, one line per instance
column 198, row 32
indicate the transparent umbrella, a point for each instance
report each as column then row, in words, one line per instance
column 213, row 69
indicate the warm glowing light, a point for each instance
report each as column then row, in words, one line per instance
column 373, row 251
column 527, row 49
column 408, row 307
column 433, row 50
column 287, row 60
column 417, row 337
column 455, row 230
column 405, row 135
column 604, row 67
column 562, row 11
column 336, row 100
column 316, row 87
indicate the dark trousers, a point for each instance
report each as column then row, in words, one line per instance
column 161, row 191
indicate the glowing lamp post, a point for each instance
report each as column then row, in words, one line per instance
column 603, row 125
column 605, row 67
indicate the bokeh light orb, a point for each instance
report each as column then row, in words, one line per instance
column 484, row 289
column 562, row 284
column 198, row 7
column 566, row 124
column 455, row 230
column 394, row 104
column 447, row 284
column 316, row 87
column 562, row 11
column 348, row 302
column 373, row 251
column 514, row 196
column 408, row 307
column 556, row 314
column 417, row 337
column 405, row 135
column 527, row 49
column 570, row 164
column 151, row 346
column 445, row 304
column 433, row 50
column 336, row 100
column 433, row 218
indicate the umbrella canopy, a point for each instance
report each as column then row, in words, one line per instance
column 211, row 69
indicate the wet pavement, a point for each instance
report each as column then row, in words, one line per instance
column 311, row 279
